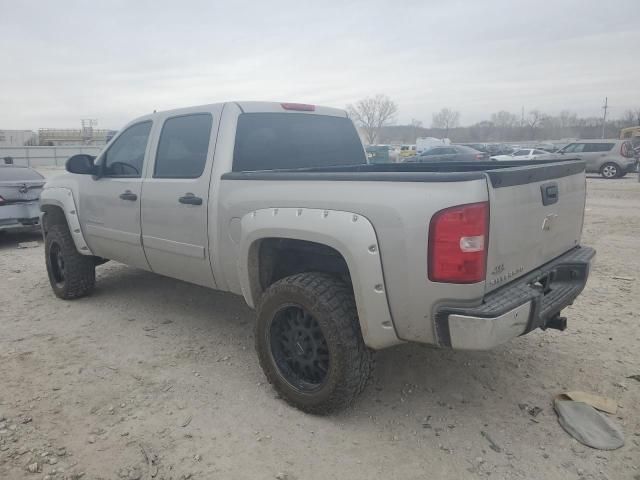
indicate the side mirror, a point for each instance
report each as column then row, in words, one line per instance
column 82, row 164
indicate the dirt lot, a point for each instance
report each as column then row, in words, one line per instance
column 155, row 378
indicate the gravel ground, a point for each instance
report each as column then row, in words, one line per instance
column 155, row 378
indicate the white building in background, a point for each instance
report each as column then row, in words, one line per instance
column 17, row 138
column 72, row 136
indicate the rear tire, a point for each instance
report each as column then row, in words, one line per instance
column 610, row 170
column 71, row 274
column 309, row 342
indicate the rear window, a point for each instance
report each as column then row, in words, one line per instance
column 464, row 149
column 598, row 147
column 271, row 141
column 626, row 149
column 10, row 174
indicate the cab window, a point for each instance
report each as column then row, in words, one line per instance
column 125, row 156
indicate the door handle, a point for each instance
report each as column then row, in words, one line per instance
column 190, row 199
column 129, row 195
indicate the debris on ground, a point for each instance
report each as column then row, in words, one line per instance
column 626, row 279
column 603, row 404
column 28, row 244
column 634, row 377
column 531, row 410
column 590, row 427
column 492, row 444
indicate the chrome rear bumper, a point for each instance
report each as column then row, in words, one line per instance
column 533, row 301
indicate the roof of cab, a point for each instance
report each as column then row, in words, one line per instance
column 249, row 107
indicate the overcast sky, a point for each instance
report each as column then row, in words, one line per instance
column 62, row 61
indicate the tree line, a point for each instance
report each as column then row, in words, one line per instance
column 375, row 117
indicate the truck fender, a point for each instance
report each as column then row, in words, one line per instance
column 352, row 235
column 63, row 198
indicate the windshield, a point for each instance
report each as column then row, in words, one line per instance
column 272, row 141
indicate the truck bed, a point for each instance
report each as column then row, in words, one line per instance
column 500, row 173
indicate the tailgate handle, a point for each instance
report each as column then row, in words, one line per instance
column 549, row 193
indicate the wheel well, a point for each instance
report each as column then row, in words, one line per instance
column 53, row 216
column 281, row 257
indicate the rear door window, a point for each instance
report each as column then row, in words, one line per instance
column 521, row 153
column 183, row 146
column 271, row 141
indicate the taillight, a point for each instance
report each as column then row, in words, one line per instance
column 458, row 239
column 1, row 200
column 302, row 107
column 479, row 156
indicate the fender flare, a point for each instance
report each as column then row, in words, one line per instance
column 352, row 235
column 63, row 198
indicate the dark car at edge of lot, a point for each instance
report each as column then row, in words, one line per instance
column 20, row 189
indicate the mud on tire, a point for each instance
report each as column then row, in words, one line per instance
column 71, row 274
column 312, row 315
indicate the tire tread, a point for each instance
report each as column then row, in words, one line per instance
column 336, row 300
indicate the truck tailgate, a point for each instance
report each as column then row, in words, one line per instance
column 536, row 214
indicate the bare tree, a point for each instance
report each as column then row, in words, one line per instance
column 631, row 117
column 446, row 118
column 373, row 113
column 416, row 125
column 534, row 119
column 567, row 119
column 504, row 119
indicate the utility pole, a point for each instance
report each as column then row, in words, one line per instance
column 604, row 116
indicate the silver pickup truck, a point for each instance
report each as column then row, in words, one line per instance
column 275, row 202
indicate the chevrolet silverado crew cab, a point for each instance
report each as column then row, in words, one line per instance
column 339, row 258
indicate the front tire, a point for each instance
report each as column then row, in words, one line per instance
column 610, row 170
column 309, row 342
column 71, row 274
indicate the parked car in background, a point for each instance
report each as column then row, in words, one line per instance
column 630, row 133
column 425, row 143
column 610, row 158
column 377, row 153
column 450, row 153
column 523, row 154
column 20, row 189
column 481, row 147
column 407, row 151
